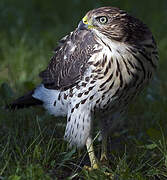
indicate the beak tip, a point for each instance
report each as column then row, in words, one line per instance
column 82, row 26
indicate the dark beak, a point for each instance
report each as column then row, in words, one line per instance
column 82, row 26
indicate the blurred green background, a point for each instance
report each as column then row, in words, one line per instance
column 31, row 141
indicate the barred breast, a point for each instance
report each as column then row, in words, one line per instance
column 122, row 71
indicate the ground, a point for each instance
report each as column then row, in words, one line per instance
column 31, row 141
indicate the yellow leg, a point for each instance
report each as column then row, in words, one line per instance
column 92, row 157
column 103, row 157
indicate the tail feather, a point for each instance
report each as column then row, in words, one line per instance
column 23, row 102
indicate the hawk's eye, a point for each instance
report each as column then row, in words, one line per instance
column 102, row 19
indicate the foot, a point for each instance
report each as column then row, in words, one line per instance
column 108, row 175
column 94, row 167
column 103, row 157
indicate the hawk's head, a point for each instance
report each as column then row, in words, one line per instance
column 116, row 24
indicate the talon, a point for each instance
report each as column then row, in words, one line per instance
column 95, row 166
column 88, row 168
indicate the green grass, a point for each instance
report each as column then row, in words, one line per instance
column 31, row 141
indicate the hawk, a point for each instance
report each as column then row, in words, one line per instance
column 96, row 70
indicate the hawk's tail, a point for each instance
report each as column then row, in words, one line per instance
column 23, row 102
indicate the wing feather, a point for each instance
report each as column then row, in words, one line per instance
column 70, row 60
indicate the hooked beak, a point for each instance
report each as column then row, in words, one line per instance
column 82, row 26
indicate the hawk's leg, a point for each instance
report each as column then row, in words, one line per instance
column 105, row 129
column 92, row 157
column 103, row 157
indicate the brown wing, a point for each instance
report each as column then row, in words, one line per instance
column 69, row 63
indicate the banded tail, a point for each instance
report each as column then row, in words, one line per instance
column 24, row 101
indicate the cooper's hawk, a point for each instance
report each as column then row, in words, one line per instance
column 96, row 70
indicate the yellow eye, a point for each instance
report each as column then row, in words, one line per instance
column 102, row 19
